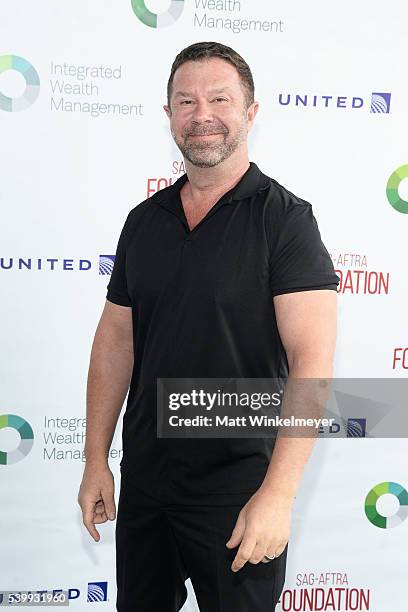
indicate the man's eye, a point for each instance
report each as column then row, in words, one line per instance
column 221, row 99
column 185, row 102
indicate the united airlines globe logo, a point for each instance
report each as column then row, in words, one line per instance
column 97, row 591
column 26, row 438
column 393, row 184
column 161, row 20
column 32, row 88
column 380, row 102
column 384, row 488
column 106, row 263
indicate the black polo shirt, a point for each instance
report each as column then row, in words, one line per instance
column 202, row 306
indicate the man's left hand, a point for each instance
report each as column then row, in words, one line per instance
column 262, row 528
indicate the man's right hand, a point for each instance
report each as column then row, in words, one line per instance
column 96, row 497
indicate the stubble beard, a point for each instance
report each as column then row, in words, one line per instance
column 205, row 153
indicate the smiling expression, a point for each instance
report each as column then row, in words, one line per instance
column 208, row 114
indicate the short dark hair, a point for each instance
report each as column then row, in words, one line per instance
column 205, row 50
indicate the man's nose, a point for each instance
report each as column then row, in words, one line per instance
column 202, row 111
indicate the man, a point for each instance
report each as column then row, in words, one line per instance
column 222, row 274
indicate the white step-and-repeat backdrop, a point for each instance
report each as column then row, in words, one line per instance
column 84, row 138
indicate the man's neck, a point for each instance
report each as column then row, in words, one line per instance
column 207, row 183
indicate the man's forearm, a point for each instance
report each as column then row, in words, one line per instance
column 285, row 469
column 109, row 375
column 291, row 452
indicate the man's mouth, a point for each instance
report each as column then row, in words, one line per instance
column 204, row 135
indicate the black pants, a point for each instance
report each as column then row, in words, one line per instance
column 159, row 546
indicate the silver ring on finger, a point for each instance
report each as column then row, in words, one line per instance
column 269, row 558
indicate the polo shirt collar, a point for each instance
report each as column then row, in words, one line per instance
column 252, row 181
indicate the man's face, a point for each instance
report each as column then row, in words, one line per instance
column 208, row 115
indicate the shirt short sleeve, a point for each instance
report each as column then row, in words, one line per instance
column 117, row 290
column 299, row 259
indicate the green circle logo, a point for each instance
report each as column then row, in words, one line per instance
column 377, row 519
column 30, row 94
column 26, row 435
column 392, row 189
column 158, row 21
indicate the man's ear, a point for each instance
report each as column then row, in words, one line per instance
column 251, row 113
column 167, row 110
